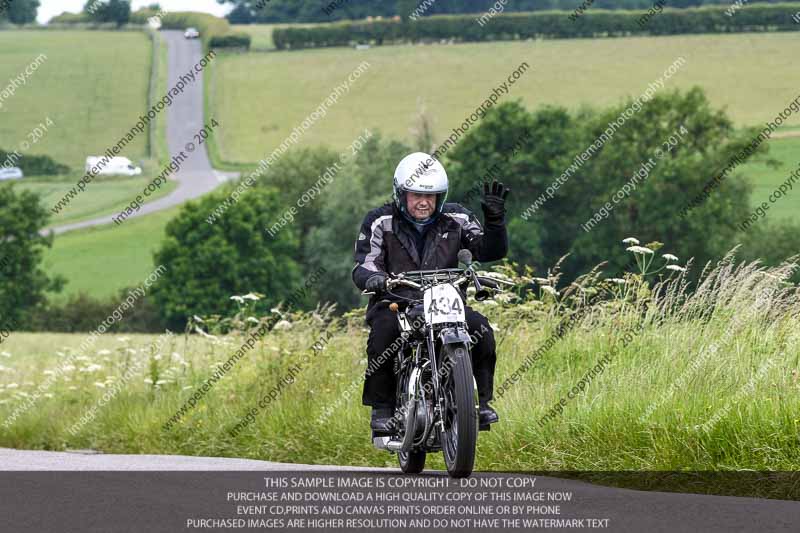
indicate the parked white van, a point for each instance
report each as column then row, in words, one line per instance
column 113, row 167
column 13, row 173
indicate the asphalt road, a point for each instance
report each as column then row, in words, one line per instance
column 196, row 177
column 156, row 493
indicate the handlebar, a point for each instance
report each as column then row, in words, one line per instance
column 481, row 283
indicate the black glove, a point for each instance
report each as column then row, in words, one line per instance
column 494, row 202
column 376, row 283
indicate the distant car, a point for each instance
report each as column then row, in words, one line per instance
column 114, row 166
column 191, row 33
column 13, row 173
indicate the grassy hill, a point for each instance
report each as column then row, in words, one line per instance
column 93, row 85
column 752, row 75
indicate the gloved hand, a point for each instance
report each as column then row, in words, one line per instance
column 494, row 202
column 376, row 283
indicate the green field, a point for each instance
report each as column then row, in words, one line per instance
column 724, row 414
column 102, row 260
column 766, row 179
column 753, row 76
column 103, row 196
column 93, row 85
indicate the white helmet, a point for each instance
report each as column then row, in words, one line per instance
column 420, row 172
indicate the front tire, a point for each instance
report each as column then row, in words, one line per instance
column 460, row 435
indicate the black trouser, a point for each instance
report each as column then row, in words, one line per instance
column 380, row 381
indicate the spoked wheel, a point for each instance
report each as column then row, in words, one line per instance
column 412, row 462
column 460, row 421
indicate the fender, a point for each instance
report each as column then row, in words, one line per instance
column 454, row 336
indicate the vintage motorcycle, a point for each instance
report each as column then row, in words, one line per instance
column 437, row 399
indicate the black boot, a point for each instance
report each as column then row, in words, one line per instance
column 383, row 421
column 487, row 415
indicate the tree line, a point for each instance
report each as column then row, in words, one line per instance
column 257, row 11
column 536, row 25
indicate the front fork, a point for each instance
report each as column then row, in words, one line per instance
column 449, row 335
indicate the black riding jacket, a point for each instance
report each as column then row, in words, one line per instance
column 386, row 244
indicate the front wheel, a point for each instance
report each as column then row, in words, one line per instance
column 460, row 421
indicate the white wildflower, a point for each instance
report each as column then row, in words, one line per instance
column 148, row 381
column 12, row 386
column 676, row 268
column 99, row 385
column 251, row 296
column 237, row 299
column 631, row 240
column 252, row 320
column 283, row 324
column 5, row 354
column 541, row 281
column 103, row 352
column 123, row 339
column 161, row 382
column 670, row 257
column 187, row 387
column 618, row 281
column 550, row 290
column 48, row 394
column 204, row 334
column 640, row 250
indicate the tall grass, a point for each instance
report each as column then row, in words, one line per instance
column 700, row 378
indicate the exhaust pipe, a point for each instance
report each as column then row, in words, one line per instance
column 386, row 443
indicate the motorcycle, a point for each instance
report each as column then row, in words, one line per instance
column 436, row 398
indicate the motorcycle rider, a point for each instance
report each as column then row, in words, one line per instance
column 419, row 231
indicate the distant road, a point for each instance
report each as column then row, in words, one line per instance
column 184, row 120
column 26, row 491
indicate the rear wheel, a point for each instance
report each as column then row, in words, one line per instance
column 412, row 462
column 460, row 436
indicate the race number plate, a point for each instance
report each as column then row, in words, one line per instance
column 443, row 304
